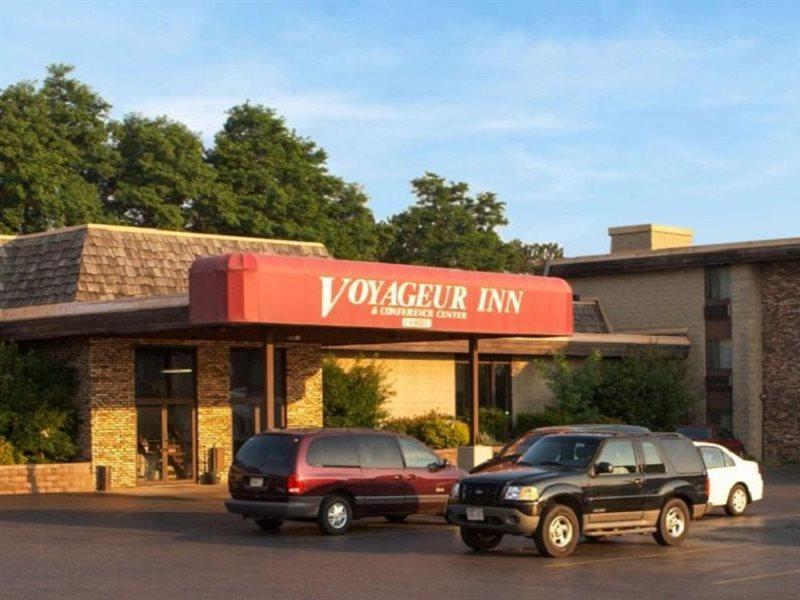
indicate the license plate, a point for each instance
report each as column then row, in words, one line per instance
column 474, row 514
column 256, row 482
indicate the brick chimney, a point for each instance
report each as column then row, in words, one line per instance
column 642, row 238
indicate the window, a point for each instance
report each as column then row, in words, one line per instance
column 494, row 386
column 561, row 450
column 728, row 460
column 718, row 283
column 333, row 451
column 416, row 455
column 652, row 459
column 164, row 373
column 620, row 454
column 682, row 454
column 247, row 374
column 719, row 354
column 379, row 452
column 712, row 457
column 273, row 450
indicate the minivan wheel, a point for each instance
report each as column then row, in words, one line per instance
column 396, row 518
column 737, row 501
column 480, row 541
column 335, row 515
column 673, row 523
column 269, row 523
column 558, row 532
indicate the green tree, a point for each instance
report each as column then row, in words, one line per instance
column 55, row 159
column 448, row 227
column 281, row 187
column 37, row 413
column 354, row 397
column 162, row 174
column 575, row 387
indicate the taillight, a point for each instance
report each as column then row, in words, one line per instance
column 294, row 485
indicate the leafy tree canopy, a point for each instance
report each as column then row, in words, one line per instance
column 448, row 227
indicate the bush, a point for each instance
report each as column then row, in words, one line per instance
column 8, row 454
column 37, row 412
column 494, row 424
column 434, row 429
column 354, row 397
column 546, row 418
column 644, row 389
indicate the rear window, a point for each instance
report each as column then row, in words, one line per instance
column 683, row 455
column 268, row 451
column 333, row 451
column 379, row 452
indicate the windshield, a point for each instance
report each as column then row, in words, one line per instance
column 520, row 445
column 571, row 452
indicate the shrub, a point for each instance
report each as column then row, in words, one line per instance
column 8, row 454
column 37, row 412
column 495, row 424
column 546, row 418
column 354, row 397
column 434, row 429
column 644, row 389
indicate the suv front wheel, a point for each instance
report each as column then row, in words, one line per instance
column 558, row 532
column 335, row 515
column 673, row 523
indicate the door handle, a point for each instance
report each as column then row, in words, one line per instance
column 638, row 481
column 398, row 477
column 412, row 476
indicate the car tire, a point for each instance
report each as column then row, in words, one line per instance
column 480, row 541
column 558, row 532
column 269, row 523
column 673, row 523
column 396, row 518
column 737, row 501
column 335, row 515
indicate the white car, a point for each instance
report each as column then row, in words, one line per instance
column 733, row 481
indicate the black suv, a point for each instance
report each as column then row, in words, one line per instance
column 590, row 483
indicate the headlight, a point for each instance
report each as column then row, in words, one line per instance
column 454, row 491
column 521, row 492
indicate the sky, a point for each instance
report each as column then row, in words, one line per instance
column 580, row 116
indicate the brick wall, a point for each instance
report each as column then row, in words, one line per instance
column 46, row 479
column 420, row 382
column 747, row 350
column 304, row 385
column 780, row 305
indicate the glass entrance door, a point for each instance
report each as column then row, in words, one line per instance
column 165, row 448
column 149, row 452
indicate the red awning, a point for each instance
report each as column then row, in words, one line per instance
column 290, row 290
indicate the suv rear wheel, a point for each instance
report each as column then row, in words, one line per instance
column 335, row 515
column 737, row 501
column 673, row 523
column 480, row 541
column 269, row 523
column 558, row 532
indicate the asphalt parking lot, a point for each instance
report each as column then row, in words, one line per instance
column 160, row 544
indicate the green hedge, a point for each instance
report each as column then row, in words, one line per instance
column 353, row 397
column 434, row 429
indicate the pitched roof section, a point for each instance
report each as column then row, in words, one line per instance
column 589, row 317
column 102, row 262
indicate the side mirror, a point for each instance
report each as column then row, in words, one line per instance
column 603, row 468
column 442, row 464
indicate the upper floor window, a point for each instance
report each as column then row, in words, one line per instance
column 718, row 283
column 164, row 373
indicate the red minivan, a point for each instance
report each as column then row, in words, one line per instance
column 333, row 476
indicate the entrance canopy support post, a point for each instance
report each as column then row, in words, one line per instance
column 473, row 392
column 269, row 382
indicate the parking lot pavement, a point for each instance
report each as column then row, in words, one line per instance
column 163, row 544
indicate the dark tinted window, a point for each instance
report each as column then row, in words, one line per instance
column 682, row 454
column 333, row 451
column 652, row 459
column 621, row 456
column 379, row 452
column 561, row 450
column 417, row 455
column 695, row 433
column 268, row 451
column 713, row 457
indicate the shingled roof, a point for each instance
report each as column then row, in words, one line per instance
column 103, row 262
